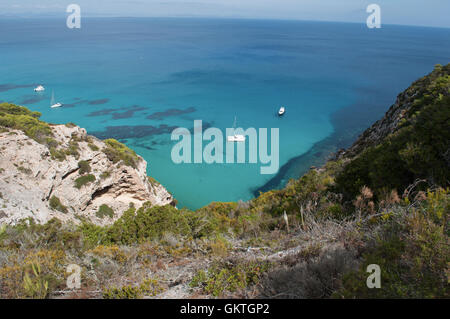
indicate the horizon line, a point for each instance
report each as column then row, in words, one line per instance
column 52, row 16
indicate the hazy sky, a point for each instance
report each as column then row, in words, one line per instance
column 410, row 12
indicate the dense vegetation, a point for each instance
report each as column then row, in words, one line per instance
column 419, row 149
column 389, row 205
column 412, row 249
column 20, row 118
column 408, row 238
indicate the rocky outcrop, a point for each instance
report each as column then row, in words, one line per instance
column 383, row 127
column 402, row 111
column 33, row 183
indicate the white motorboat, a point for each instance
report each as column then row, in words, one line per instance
column 39, row 88
column 281, row 111
column 235, row 137
column 54, row 104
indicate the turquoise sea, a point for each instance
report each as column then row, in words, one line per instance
column 136, row 79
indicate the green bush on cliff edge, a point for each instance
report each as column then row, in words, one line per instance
column 20, row 118
column 116, row 151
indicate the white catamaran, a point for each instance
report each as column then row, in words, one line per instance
column 52, row 102
column 235, row 137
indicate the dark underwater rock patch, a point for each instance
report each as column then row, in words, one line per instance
column 128, row 131
column 170, row 112
column 128, row 113
column 31, row 99
column 117, row 114
column 10, row 86
column 101, row 112
column 98, row 102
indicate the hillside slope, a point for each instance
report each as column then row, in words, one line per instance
column 406, row 108
column 411, row 143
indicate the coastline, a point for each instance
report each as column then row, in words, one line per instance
column 348, row 123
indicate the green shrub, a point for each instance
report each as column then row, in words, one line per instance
column 224, row 277
column 150, row 287
column 52, row 234
column 126, row 292
column 56, row 204
column 73, row 149
column 93, row 235
column 84, row 180
column 105, row 210
column 105, row 174
column 336, row 211
column 148, row 223
column 93, row 147
column 84, row 167
column 412, row 252
column 220, row 247
column 57, row 154
column 51, row 143
column 116, row 151
column 36, row 287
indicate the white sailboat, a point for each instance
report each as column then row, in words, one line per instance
column 235, row 137
column 281, row 111
column 52, row 102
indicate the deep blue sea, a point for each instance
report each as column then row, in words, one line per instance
column 137, row 79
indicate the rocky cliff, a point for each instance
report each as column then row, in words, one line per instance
column 406, row 107
column 408, row 147
column 71, row 176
